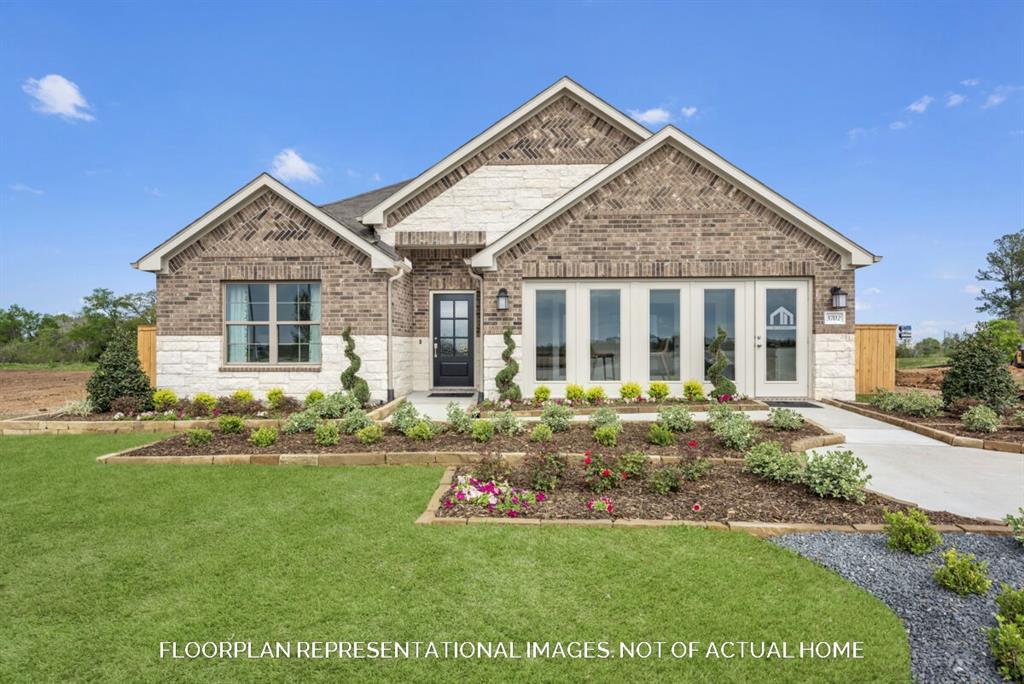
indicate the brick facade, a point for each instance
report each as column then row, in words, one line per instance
column 434, row 270
column 668, row 216
column 269, row 239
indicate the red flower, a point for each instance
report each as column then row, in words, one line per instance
column 696, row 508
column 605, row 472
column 692, row 444
column 625, row 475
column 586, row 453
column 587, row 460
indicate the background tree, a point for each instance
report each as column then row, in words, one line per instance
column 1006, row 270
column 929, row 346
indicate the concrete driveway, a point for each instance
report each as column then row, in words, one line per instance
column 934, row 475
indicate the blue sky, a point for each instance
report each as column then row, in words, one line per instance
column 900, row 124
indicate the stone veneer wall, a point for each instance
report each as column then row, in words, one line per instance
column 834, row 366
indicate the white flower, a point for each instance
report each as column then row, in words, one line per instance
column 492, row 499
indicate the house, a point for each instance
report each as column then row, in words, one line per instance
column 612, row 254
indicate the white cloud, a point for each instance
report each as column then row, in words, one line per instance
column 897, row 125
column 969, row 82
column 155, row 192
column 21, row 187
column 376, row 177
column 955, row 100
column 289, row 166
column 352, row 173
column 688, row 112
column 972, row 289
column 656, row 115
column 920, row 105
column 855, row 135
column 55, row 94
column 870, row 291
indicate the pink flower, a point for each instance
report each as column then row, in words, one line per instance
column 448, row 503
column 696, row 508
column 590, row 504
column 460, row 496
column 587, row 452
column 609, row 506
column 512, row 514
column 692, row 444
column 540, row 496
column 625, row 475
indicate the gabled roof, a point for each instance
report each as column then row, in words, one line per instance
column 853, row 254
column 380, row 259
column 375, row 215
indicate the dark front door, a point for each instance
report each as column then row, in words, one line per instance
column 453, row 340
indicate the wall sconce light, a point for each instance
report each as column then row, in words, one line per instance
column 502, row 299
column 838, row 298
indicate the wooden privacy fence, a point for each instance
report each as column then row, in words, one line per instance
column 875, row 356
column 147, row 351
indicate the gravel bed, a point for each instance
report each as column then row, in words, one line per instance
column 947, row 641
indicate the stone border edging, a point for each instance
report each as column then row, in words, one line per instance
column 756, row 528
column 934, row 433
column 646, row 407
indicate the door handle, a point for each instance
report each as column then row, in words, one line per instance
column 435, row 346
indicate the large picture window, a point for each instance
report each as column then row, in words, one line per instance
column 720, row 312
column 272, row 322
column 550, row 347
column 605, row 335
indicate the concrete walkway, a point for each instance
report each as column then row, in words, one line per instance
column 934, row 475
column 436, row 408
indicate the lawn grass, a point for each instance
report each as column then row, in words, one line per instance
column 48, row 366
column 908, row 362
column 101, row 563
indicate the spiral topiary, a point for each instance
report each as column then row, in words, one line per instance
column 716, row 371
column 349, row 380
column 507, row 389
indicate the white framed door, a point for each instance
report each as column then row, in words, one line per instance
column 603, row 341
column 728, row 304
column 782, row 338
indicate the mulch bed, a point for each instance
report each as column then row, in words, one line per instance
column 726, row 493
column 645, row 405
column 578, row 439
column 950, row 423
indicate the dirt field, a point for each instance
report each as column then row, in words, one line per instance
column 31, row 391
column 931, row 378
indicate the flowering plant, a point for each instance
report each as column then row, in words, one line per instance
column 724, row 398
column 692, row 444
column 604, row 504
column 495, row 497
column 600, row 475
column 696, row 507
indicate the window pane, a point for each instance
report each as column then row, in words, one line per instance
column 462, row 309
column 298, row 343
column 461, row 327
column 447, row 327
column 298, row 302
column 720, row 312
column 550, row 351
column 246, row 302
column 780, row 329
column 605, row 335
column 664, row 334
column 248, row 343
column 447, row 308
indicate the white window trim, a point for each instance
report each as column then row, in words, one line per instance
column 272, row 323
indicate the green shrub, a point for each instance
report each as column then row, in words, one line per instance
column 206, row 400
column 912, row 403
column 910, row 531
column 543, row 471
column 243, row 395
column 979, row 371
column 313, row 397
column 770, row 461
column 541, row 433
column 664, row 480
column 1011, row 603
column 981, row 418
column 557, row 417
column 198, row 437
column 634, row 464
column 491, row 468
column 963, row 574
column 422, row 430
column 274, row 397
column 405, row 416
column 595, row 395
column 693, row 390
column 118, row 374
column 327, row 433
column 1016, row 523
column 719, row 413
column 736, row 432
column 1006, row 641
column 607, row 435
column 604, row 416
column 785, row 419
column 231, row 425
column 676, row 419
column 79, row 408
column 164, row 400
column 350, row 381
column 715, row 373
column 837, row 474
column 303, row 421
column 459, row 419
column 658, row 391
column 335, row 405
column 660, row 435
column 600, row 475
column 508, row 390
column 506, row 423
column 695, row 469
column 263, row 437
column 541, row 393
column 630, row 391
column 575, row 393
column 371, row 434
column 354, row 421
column 483, row 430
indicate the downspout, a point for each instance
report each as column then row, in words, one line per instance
column 390, row 345
column 483, row 362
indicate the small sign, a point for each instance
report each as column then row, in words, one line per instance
column 835, row 318
column 903, row 332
